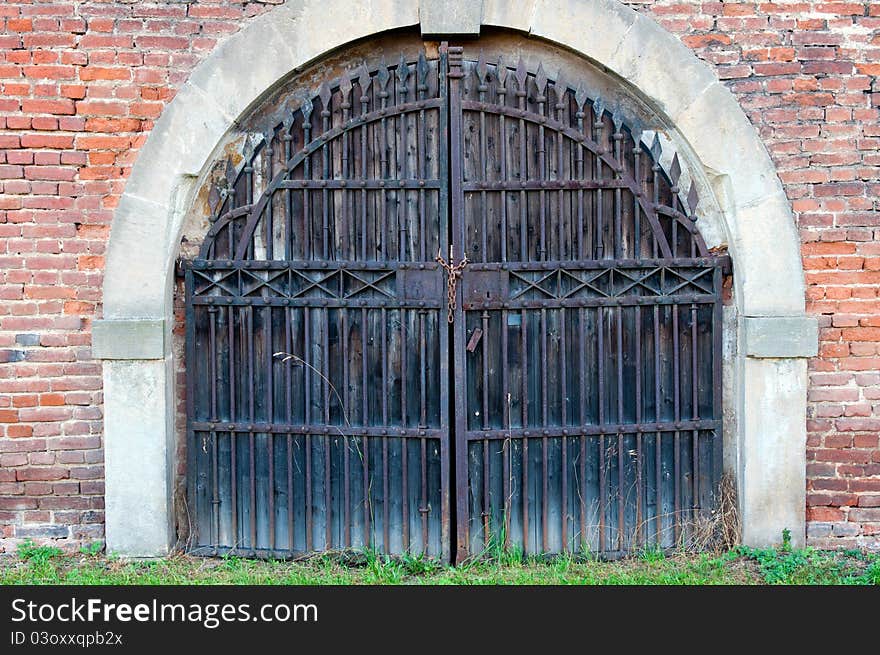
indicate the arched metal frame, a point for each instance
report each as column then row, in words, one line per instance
column 583, row 257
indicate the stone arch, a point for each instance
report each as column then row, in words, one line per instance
column 766, row 395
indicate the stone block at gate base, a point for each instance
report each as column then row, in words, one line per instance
column 128, row 339
column 780, row 336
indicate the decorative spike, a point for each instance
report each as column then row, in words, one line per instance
column 422, row 68
column 580, row 97
column 521, row 75
column 214, row 200
column 324, row 94
column 345, row 86
column 656, row 149
column 364, row 79
column 481, row 68
column 598, row 109
column 617, row 120
column 636, row 130
column 268, row 132
column 231, row 173
column 541, row 80
column 382, row 74
column 693, row 199
column 501, row 74
column 288, row 113
column 402, row 70
column 247, row 152
column 675, row 169
column 561, row 87
column 306, row 107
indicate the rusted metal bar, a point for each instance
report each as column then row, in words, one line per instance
column 563, row 399
column 458, row 252
column 346, row 445
column 676, row 395
column 580, row 174
column 319, row 428
column 423, row 506
column 270, row 414
column 501, row 89
column 307, row 374
column 288, row 414
column 560, row 91
column 545, row 410
column 598, row 174
column 248, row 338
column 326, row 173
column 541, row 99
column 640, row 189
column 365, row 416
column 215, row 476
column 485, row 421
column 385, row 481
column 383, row 242
column 422, row 154
column 582, row 392
column 695, row 414
column 521, row 91
column 347, row 231
column 525, row 423
column 617, row 138
column 270, row 209
column 364, row 84
column 307, row 246
column 404, row 421
column 446, row 465
column 710, row 263
column 505, row 423
column 658, row 461
column 603, row 490
column 621, row 476
column 402, row 75
column 638, row 416
column 481, row 71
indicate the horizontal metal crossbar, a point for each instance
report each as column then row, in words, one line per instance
column 357, row 184
column 545, row 185
column 623, row 301
column 319, row 430
column 669, row 427
column 222, row 264
column 722, row 261
column 592, row 264
column 331, row 303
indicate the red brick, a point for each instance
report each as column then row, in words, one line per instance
column 20, row 24
column 42, row 473
column 100, row 73
column 48, row 106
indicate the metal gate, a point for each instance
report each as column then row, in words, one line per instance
column 451, row 289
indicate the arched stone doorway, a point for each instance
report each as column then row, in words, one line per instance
column 766, row 376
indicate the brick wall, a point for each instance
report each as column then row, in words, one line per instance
column 82, row 83
column 806, row 74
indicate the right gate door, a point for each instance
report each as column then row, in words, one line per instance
column 587, row 325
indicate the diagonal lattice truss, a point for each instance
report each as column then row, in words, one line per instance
column 289, row 282
column 611, row 282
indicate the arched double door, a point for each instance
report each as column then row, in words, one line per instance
column 446, row 306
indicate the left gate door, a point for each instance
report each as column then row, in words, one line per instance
column 317, row 357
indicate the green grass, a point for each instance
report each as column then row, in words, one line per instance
column 783, row 565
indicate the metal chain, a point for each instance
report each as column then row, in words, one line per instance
column 453, row 273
